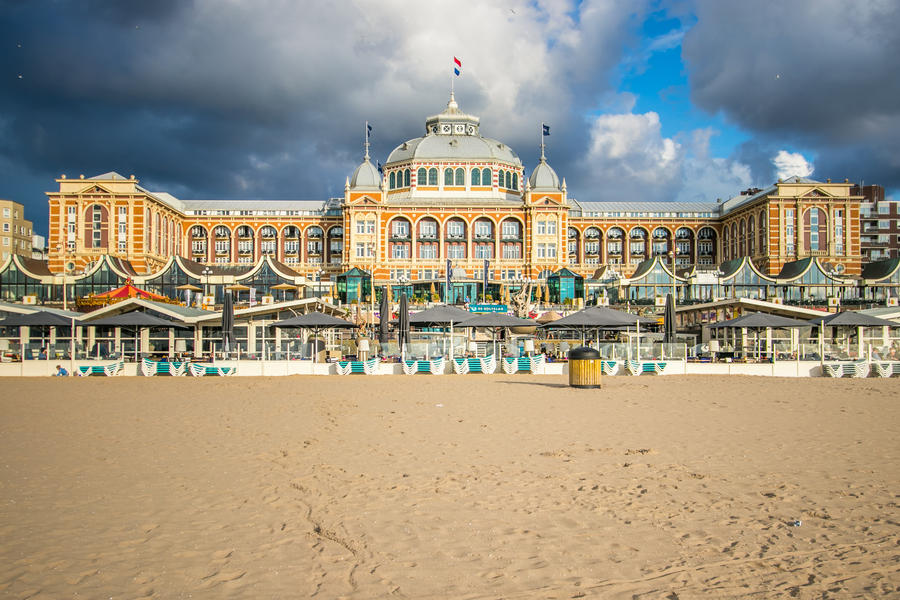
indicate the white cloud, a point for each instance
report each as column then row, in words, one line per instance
column 634, row 161
column 787, row 164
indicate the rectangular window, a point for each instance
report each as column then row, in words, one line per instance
column 551, row 250
column 400, row 229
column 884, row 209
column 291, row 247
column 512, row 251
column 370, row 226
column 456, row 251
column 484, row 251
column 314, row 247
column 96, row 224
column 245, row 247
column 267, row 246
column 428, row 229
column 551, row 227
column 814, row 230
column 428, row 251
column 839, row 232
column 222, row 246
column 123, row 228
column 455, row 229
column 360, row 227
column 400, row 251
column 612, row 247
column 6, row 228
column 5, row 213
column 482, row 229
column 884, row 224
column 510, row 230
column 789, row 231
column 198, row 246
column 71, row 218
column 541, row 227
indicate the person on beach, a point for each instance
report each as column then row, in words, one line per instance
column 61, row 372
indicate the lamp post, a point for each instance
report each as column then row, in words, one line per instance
column 206, row 272
column 674, row 291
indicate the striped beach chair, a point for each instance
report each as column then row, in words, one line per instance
column 487, row 365
column 527, row 364
column 609, row 367
column 434, row 366
column 198, row 370
column 635, row 367
column 886, row 369
column 116, row 368
column 151, row 367
column 366, row 367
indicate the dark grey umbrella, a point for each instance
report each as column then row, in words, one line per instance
column 495, row 321
column 385, row 323
column 403, row 323
column 316, row 321
column 759, row 320
column 599, row 317
column 40, row 318
column 228, row 323
column 443, row 314
column 669, row 321
column 137, row 320
column 850, row 318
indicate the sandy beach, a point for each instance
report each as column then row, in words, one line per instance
column 449, row 487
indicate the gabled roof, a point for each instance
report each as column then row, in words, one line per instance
column 564, row 272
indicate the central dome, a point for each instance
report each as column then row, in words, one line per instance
column 453, row 135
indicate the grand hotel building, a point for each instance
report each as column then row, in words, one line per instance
column 453, row 194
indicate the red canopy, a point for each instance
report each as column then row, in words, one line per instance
column 129, row 291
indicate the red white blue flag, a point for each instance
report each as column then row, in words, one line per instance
column 458, row 66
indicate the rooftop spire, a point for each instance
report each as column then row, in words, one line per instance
column 368, row 131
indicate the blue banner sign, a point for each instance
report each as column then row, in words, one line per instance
column 488, row 308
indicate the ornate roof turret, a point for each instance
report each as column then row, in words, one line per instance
column 452, row 121
column 544, row 177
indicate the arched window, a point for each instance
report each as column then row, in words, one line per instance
column 422, row 176
column 742, row 247
column 448, row 176
column 508, row 180
column 460, row 177
column 406, row 178
column 432, row 176
column 485, row 176
column 500, row 178
column 476, row 177
column 392, row 180
column 725, row 243
column 815, row 231
column 515, row 181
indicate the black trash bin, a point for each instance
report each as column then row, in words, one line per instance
column 585, row 368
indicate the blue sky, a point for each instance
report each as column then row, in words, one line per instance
column 267, row 99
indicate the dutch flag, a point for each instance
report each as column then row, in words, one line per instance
column 458, row 66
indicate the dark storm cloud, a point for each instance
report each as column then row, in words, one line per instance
column 819, row 74
column 268, row 99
